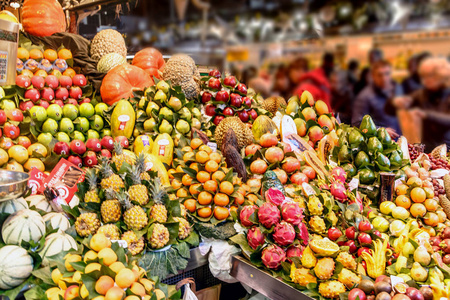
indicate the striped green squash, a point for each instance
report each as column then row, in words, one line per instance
column 39, row 202
column 57, row 221
column 24, row 225
column 55, row 243
column 15, row 266
column 13, row 205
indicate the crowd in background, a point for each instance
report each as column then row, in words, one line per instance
column 356, row 91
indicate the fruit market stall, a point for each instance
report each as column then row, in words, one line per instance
column 142, row 171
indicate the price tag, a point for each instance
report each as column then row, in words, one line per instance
column 122, row 243
column 398, row 182
column 213, row 146
column 353, row 184
column 308, row 189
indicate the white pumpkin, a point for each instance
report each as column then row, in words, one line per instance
column 57, row 221
column 24, row 225
column 39, row 202
column 55, row 243
column 13, row 205
column 15, row 266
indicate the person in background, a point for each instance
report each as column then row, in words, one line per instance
column 412, row 83
column 249, row 73
column 352, row 73
column 375, row 55
column 281, row 83
column 341, row 96
column 296, row 69
column 431, row 103
column 373, row 98
column 261, row 86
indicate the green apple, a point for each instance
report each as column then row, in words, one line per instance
column 55, row 112
column 38, row 113
column 66, row 125
column 87, row 110
column 50, row 126
column 82, row 124
column 70, row 111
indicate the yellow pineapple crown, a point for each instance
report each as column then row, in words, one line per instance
column 157, row 191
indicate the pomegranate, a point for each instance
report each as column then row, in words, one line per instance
column 258, row 166
column 268, row 140
column 274, row 155
column 251, row 149
column 298, row 178
column 281, row 174
column 291, row 164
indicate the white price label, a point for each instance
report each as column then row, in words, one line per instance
column 353, row 184
column 122, row 243
column 213, row 146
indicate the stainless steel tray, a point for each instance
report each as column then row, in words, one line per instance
column 12, row 184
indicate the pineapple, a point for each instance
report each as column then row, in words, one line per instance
column 86, row 224
column 140, row 164
column 110, row 179
column 159, row 210
column 91, row 178
column 135, row 245
column 120, row 157
column 110, row 208
column 160, row 236
column 111, row 231
column 184, row 229
column 138, row 192
column 134, row 216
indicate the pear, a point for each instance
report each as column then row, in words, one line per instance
column 175, row 103
column 422, row 256
column 165, row 127
column 418, row 273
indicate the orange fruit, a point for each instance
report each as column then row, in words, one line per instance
column 237, row 180
column 205, row 148
column 41, row 73
column 418, row 210
column 193, row 189
column 204, row 212
column 64, row 54
column 401, row 189
column 23, row 53
column 195, row 143
column 69, row 72
column 429, row 192
column 432, row 219
column 171, row 172
column 125, row 278
column 252, row 198
column 442, row 216
column 27, row 72
column 218, row 176
column 203, row 176
column 190, row 204
column 188, row 156
column 215, row 157
column 117, row 266
column 37, row 150
column 181, row 193
column 239, row 199
column 114, row 293
column 233, row 209
column 186, row 180
column 201, row 157
column 221, row 213
column 108, row 255
column 138, row 289
column 99, row 241
column 210, row 186
column 103, row 284
column 211, row 166
column 176, row 184
column 186, row 149
column 179, row 169
column 429, row 230
column 194, row 166
column 204, row 198
column 226, row 187
column 36, row 54
column 51, row 55
column 221, row 199
column 403, row 201
column 431, row 204
column 414, row 181
column 418, row 195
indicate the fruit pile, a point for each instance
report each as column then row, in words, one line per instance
column 203, row 184
column 226, row 97
column 102, row 272
column 34, row 61
column 439, row 163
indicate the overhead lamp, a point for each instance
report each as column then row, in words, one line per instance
column 14, row 4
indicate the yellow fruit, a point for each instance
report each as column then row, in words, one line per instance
column 91, row 255
column 52, row 292
column 123, row 112
column 108, row 255
column 56, row 276
column 70, row 258
column 114, row 293
column 77, row 277
column 125, row 278
column 137, row 289
column 14, row 166
column 205, row 148
column 99, row 241
column 415, row 182
column 401, row 189
column 160, row 294
column 103, row 284
column 202, row 157
column 132, row 297
column 418, row 195
column 3, row 157
column 19, row 153
column 37, row 150
column 34, row 163
column 92, row 267
column 117, row 266
column 324, row 247
column 84, row 292
column 148, row 284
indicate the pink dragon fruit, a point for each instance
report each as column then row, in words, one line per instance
column 255, row 237
column 292, row 213
column 294, row 251
column 284, row 234
column 339, row 191
column 339, row 174
column 303, row 234
column 272, row 256
column 246, row 213
column 268, row 215
column 274, row 196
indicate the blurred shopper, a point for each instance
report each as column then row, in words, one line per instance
column 341, row 96
column 281, row 83
column 372, row 99
column 430, row 103
column 261, row 86
column 352, row 72
column 412, row 83
column 317, row 81
column 375, row 55
column 296, row 69
column 362, row 82
column 248, row 74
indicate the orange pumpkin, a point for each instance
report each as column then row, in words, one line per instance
column 43, row 17
column 150, row 60
column 121, row 81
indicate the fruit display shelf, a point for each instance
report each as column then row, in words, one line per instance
column 262, row 281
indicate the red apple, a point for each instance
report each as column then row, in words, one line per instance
column 350, row 233
column 352, row 246
column 85, row 100
column 75, row 92
column 94, row 145
column 364, row 238
column 65, row 81
column 32, row 94
column 71, row 101
column 122, row 140
column 215, row 73
column 228, row 111
column 62, row 93
column 243, row 115
column 90, row 159
column 76, row 160
column 334, row 233
column 363, row 250
column 235, row 100
column 242, row 88
column 77, row 147
column 44, row 104
column 26, row 105
column 222, row 96
column 107, row 142
column 23, row 81
column 52, row 81
column 61, row 148
column 253, row 114
column 24, row 141
column 38, row 82
column 6, row 143
column 105, row 153
column 60, row 103
column 15, row 115
column 218, row 119
column 230, row 81
column 214, row 83
column 206, row 97
column 79, row 80
column 11, row 131
column 210, row 110
column 2, row 117
column 47, row 94
column 364, row 226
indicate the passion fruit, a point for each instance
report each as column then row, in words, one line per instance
column 427, row 292
column 383, row 286
column 401, row 297
column 383, row 296
column 367, row 286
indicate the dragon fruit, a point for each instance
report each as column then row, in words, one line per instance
column 272, row 256
column 245, row 215
column 268, row 215
column 255, row 237
column 339, row 191
column 339, row 174
column 284, row 234
column 274, row 196
column 294, row 251
column 303, row 234
column 292, row 213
